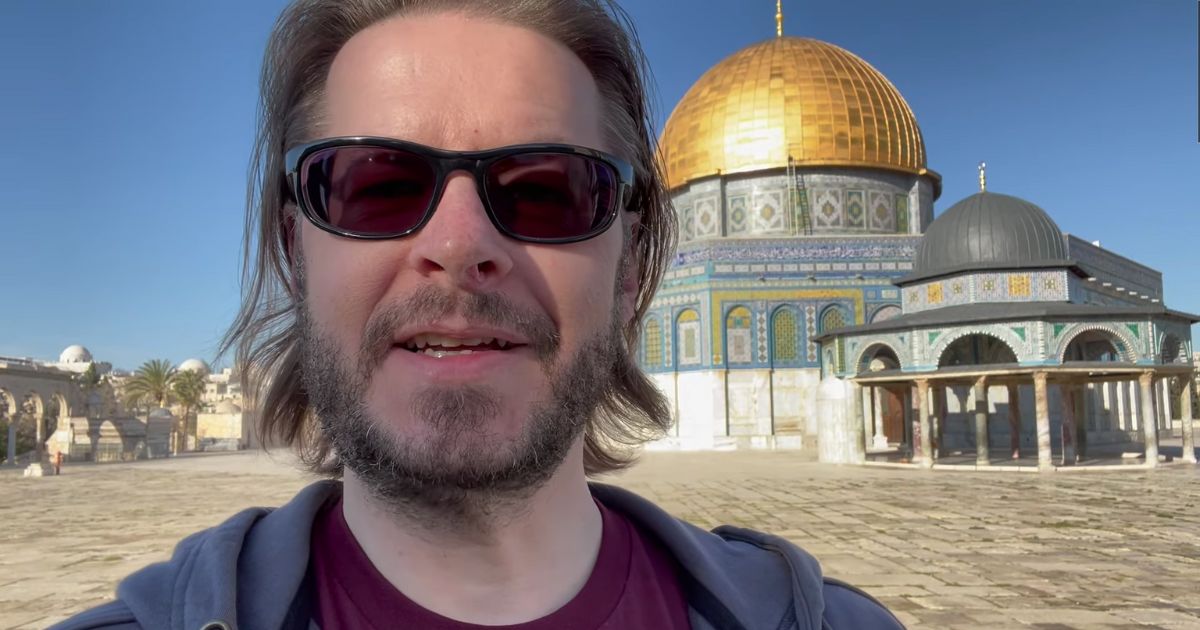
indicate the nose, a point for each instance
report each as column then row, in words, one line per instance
column 459, row 245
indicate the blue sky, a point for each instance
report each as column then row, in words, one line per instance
column 128, row 125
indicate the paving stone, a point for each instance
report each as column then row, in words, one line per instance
column 1108, row 550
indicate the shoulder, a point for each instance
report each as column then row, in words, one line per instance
column 850, row 607
column 750, row 578
column 841, row 606
column 111, row 616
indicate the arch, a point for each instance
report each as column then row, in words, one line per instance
column 881, row 351
column 886, row 312
column 1093, row 345
column 1123, row 344
column 739, row 325
column 8, row 404
column 976, row 349
column 832, row 318
column 936, row 350
column 33, row 404
column 785, row 336
column 59, row 402
column 688, row 343
column 652, row 353
column 1172, row 350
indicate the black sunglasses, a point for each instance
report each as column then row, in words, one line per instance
column 379, row 188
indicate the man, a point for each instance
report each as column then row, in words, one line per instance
column 459, row 224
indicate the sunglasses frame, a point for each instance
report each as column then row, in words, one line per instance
column 444, row 163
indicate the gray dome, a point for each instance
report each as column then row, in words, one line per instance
column 989, row 231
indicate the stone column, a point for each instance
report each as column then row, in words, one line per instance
column 910, row 417
column 12, row 441
column 939, row 419
column 1164, row 397
column 867, row 403
column 1081, row 420
column 881, row 440
column 40, row 436
column 981, row 422
column 1135, row 409
column 1067, row 400
column 1042, row 403
column 1124, row 419
column 1014, row 419
column 1189, row 440
column 923, row 437
column 859, row 421
column 1146, row 380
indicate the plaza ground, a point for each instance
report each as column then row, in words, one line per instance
column 943, row 549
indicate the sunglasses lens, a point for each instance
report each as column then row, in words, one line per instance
column 367, row 190
column 551, row 195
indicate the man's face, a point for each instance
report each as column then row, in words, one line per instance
column 461, row 83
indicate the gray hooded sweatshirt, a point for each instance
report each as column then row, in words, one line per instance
column 249, row 573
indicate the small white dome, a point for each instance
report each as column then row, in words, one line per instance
column 226, row 406
column 194, row 365
column 75, row 354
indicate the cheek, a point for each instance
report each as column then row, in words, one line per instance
column 342, row 283
column 579, row 289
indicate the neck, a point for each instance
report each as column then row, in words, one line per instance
column 517, row 562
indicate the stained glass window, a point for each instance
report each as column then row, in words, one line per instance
column 832, row 319
column 785, row 336
column 688, row 337
column 652, row 343
column 737, row 335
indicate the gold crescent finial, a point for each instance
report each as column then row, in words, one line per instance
column 983, row 177
column 778, row 18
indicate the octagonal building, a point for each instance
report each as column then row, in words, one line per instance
column 799, row 176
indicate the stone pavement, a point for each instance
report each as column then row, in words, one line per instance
column 1110, row 550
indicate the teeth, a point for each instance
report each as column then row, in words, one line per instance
column 438, row 354
column 420, row 342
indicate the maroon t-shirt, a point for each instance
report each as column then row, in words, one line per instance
column 633, row 585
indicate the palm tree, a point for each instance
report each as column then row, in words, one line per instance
column 151, row 383
column 188, row 387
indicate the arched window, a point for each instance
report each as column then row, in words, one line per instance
column 737, row 335
column 652, row 343
column 687, row 337
column 977, row 349
column 785, row 337
column 738, row 324
column 832, row 319
column 1172, row 351
column 1094, row 346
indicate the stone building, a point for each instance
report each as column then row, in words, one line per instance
column 1005, row 320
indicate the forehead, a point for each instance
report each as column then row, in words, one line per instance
column 461, row 82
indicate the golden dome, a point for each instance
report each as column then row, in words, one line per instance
column 790, row 96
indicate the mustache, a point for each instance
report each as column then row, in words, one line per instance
column 430, row 303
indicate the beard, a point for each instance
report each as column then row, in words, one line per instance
column 452, row 467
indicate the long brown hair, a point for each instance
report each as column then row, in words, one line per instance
column 306, row 37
